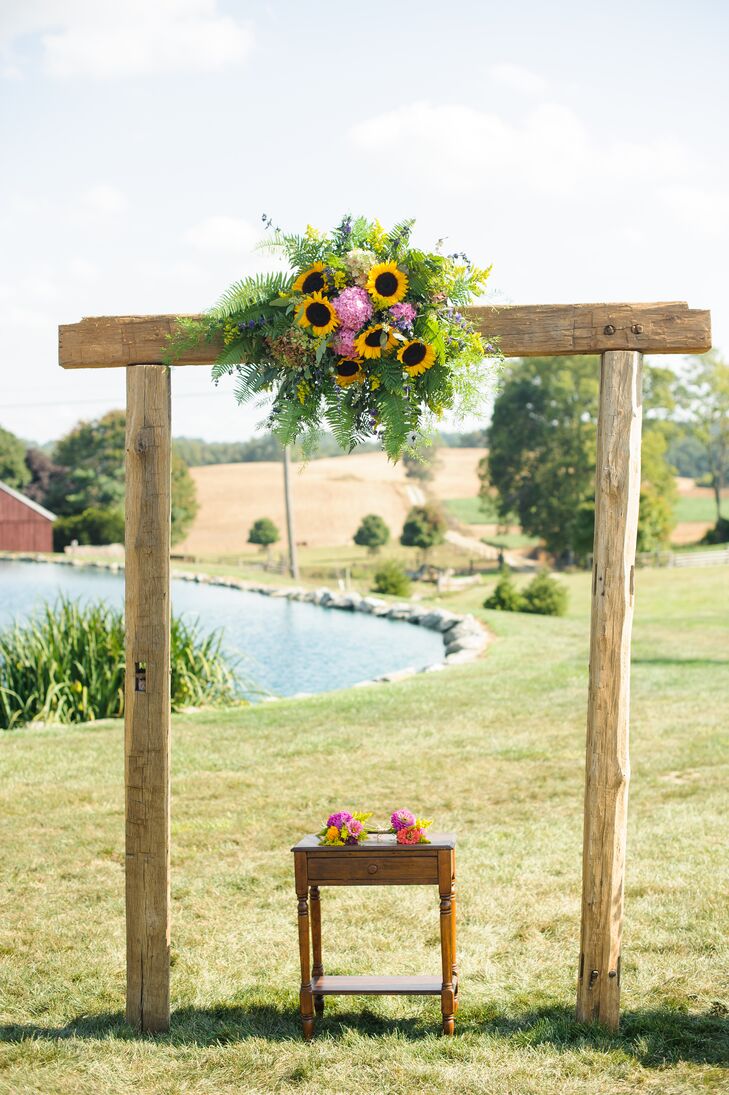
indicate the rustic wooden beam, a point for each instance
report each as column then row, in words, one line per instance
column 147, row 697
column 617, row 491
column 528, row 330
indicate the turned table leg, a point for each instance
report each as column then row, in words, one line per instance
column 454, row 960
column 317, row 969
column 306, row 1002
column 445, row 887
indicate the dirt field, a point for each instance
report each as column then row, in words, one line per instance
column 331, row 497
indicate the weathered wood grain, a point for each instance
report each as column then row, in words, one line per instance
column 147, row 697
column 617, row 491
column 527, row 330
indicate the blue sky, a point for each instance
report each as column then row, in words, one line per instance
column 580, row 147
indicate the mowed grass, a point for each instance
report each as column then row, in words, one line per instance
column 700, row 507
column 495, row 751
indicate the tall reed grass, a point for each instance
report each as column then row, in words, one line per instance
column 66, row 664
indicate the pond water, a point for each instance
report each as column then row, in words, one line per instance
column 283, row 646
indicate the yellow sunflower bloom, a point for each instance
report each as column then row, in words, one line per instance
column 316, row 312
column 416, row 357
column 387, row 284
column 348, row 370
column 313, row 280
column 374, row 341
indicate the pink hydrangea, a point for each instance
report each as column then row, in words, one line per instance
column 403, row 313
column 409, row 836
column 344, row 342
column 354, row 307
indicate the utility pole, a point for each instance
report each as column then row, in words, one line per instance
column 293, row 563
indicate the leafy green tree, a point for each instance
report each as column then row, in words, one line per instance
column 42, row 473
column 545, row 596
column 542, row 448
column 704, row 396
column 184, row 498
column 264, row 533
column 372, row 533
column 505, row 597
column 89, row 473
column 391, row 579
column 424, row 528
column 13, row 469
column 93, row 526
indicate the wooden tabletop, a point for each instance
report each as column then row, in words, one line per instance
column 380, row 842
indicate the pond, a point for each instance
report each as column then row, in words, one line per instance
column 283, row 646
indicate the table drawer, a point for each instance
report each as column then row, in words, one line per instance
column 359, row 869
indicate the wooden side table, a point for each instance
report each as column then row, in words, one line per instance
column 379, row 861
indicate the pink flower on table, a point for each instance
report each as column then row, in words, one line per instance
column 354, row 307
column 409, row 836
column 402, row 819
column 354, row 827
column 344, row 343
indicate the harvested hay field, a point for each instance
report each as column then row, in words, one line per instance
column 331, row 496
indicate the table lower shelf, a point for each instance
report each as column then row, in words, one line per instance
column 368, row 985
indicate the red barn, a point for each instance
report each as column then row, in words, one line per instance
column 24, row 525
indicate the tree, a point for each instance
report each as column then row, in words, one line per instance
column 264, row 533
column 89, row 473
column 704, row 396
column 13, row 469
column 93, row 526
column 372, row 533
column 184, row 498
column 423, row 465
column 424, row 528
column 43, row 472
column 542, row 449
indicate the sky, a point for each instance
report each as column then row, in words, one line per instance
column 579, row 147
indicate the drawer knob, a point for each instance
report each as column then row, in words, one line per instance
column 372, row 868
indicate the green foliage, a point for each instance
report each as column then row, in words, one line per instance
column 424, row 527
column 13, row 469
column 271, row 348
column 263, row 532
column 541, row 459
column 422, row 464
column 545, row 596
column 67, row 665
column 372, row 533
column 391, row 579
column 704, row 398
column 505, row 597
column 719, row 534
column 93, row 526
column 92, row 458
column 184, row 499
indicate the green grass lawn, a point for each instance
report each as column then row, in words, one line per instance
column 495, row 751
column 698, row 508
column 472, row 511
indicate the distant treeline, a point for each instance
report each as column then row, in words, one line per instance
column 196, row 452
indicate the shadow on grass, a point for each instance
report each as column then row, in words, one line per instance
column 651, row 1037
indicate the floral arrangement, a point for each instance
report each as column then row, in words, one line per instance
column 363, row 334
column 344, row 828
column 409, row 829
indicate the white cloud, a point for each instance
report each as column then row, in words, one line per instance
column 104, row 198
column 106, row 39
column 222, row 235
column 702, row 209
column 518, row 78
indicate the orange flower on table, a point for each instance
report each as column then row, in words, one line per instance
column 332, row 833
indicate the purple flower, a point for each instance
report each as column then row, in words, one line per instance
column 338, row 820
column 354, row 827
column 403, row 313
column 402, row 819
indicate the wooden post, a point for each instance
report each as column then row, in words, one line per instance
column 617, row 492
column 147, row 697
column 290, row 534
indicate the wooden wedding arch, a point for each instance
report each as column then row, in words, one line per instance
column 621, row 334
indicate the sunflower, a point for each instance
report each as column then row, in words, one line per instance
column 313, row 280
column 374, row 341
column 387, row 284
column 416, row 356
column 316, row 312
column 348, row 370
